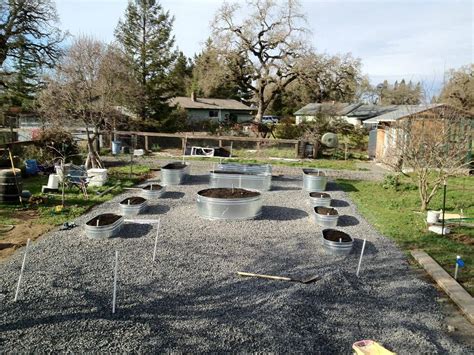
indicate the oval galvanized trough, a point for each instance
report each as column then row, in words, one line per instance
column 95, row 231
column 174, row 173
column 229, row 208
column 314, row 180
column 319, row 199
column 246, row 168
column 260, row 182
column 337, row 242
column 325, row 220
column 129, row 208
column 153, row 191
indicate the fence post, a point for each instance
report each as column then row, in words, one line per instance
column 146, row 143
column 297, row 149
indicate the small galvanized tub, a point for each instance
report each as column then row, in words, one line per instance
column 319, row 199
column 132, row 206
column 260, row 182
column 228, row 203
column 104, row 226
column 336, row 242
column 314, row 180
column 246, row 168
column 325, row 216
column 174, row 173
column 153, row 191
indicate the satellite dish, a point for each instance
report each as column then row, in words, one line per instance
column 329, row 140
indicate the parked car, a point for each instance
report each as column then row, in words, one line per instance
column 270, row 119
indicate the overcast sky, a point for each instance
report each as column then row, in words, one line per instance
column 411, row 39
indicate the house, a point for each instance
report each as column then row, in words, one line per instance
column 389, row 128
column 217, row 110
column 355, row 113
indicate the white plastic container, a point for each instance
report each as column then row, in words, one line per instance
column 53, row 182
column 432, row 217
column 97, row 177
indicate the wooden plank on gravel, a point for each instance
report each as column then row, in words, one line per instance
column 454, row 290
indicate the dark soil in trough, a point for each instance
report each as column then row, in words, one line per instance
column 153, row 187
column 228, row 193
column 104, row 219
column 314, row 173
column 334, row 235
column 319, row 194
column 133, row 201
column 174, row 166
column 325, row 211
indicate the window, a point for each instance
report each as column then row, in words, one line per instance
column 213, row 113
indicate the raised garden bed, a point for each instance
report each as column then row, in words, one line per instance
column 153, row 191
column 174, row 173
column 246, row 168
column 319, row 199
column 314, row 180
column 325, row 216
column 132, row 206
column 104, row 226
column 261, row 182
column 336, row 242
column 229, row 203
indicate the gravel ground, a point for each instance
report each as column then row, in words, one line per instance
column 191, row 299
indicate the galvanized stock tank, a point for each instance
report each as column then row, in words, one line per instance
column 336, row 242
column 228, row 203
column 260, row 182
column 314, row 180
column 174, row 173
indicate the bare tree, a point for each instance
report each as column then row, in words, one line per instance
column 264, row 49
column 88, row 83
column 429, row 147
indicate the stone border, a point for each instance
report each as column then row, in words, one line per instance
column 455, row 291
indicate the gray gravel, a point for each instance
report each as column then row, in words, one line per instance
column 192, row 300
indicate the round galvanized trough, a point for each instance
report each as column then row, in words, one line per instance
column 153, row 191
column 325, row 216
column 319, row 199
column 260, row 182
column 314, row 180
column 104, row 226
column 337, row 242
column 174, row 173
column 246, row 168
column 132, row 206
column 228, row 203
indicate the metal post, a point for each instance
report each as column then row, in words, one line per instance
column 21, row 271
column 444, row 207
column 360, row 259
column 457, row 267
column 156, row 239
column 114, row 296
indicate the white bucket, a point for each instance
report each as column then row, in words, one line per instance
column 97, row 177
column 439, row 230
column 432, row 216
column 53, row 182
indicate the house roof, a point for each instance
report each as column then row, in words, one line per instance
column 335, row 108
column 364, row 112
column 401, row 111
column 209, row 104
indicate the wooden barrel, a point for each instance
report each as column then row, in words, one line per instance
column 11, row 186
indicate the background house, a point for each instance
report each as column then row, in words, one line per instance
column 387, row 132
column 217, row 110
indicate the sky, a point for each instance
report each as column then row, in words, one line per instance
column 413, row 39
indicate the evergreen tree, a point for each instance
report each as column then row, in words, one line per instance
column 145, row 34
column 181, row 75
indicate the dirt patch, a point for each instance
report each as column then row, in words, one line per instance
column 174, row 166
column 319, row 195
column 26, row 227
column 154, row 187
column 461, row 238
column 326, row 211
column 104, row 219
column 336, row 236
column 133, row 201
column 228, row 193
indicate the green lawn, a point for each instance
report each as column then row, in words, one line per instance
column 395, row 213
column 75, row 203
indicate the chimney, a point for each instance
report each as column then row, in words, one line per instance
column 193, row 96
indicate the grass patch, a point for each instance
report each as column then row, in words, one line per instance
column 75, row 202
column 395, row 214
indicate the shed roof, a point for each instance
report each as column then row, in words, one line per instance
column 209, row 104
column 401, row 111
column 334, row 108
